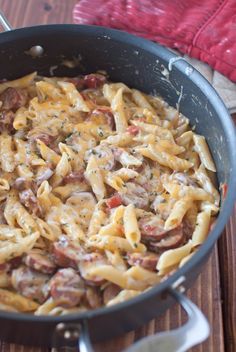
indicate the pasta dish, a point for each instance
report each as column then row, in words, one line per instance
column 104, row 192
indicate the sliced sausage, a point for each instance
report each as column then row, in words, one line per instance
column 67, row 288
column 94, row 80
column 21, row 184
column 93, row 297
column 134, row 194
column 173, row 239
column 110, row 292
column 46, row 138
column 13, row 98
column 6, row 121
column 30, row 201
column 11, row 264
column 146, row 260
column 30, row 283
column 40, row 262
column 66, row 254
column 89, row 261
column 77, row 81
column 152, row 228
column 188, row 229
column 14, row 263
column 2, row 217
column 74, row 177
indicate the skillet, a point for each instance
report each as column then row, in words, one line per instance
column 69, row 50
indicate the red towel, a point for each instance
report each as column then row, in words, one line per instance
column 202, row 29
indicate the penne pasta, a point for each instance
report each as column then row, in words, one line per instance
column 202, row 148
column 117, row 106
column 202, row 228
column 177, row 213
column 173, row 256
column 105, row 191
column 94, row 176
column 131, row 229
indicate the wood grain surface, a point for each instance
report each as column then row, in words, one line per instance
column 215, row 290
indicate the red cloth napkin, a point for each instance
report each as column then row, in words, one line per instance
column 202, row 29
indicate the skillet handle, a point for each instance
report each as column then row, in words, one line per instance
column 4, row 22
column 195, row 331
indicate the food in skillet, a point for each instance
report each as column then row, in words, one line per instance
column 104, row 191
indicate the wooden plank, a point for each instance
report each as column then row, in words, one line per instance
column 227, row 259
column 227, row 256
column 22, row 13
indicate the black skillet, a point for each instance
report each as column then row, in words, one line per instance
column 153, row 69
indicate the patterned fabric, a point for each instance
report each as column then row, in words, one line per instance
column 205, row 30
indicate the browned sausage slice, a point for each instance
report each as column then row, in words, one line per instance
column 30, row 201
column 40, row 262
column 110, row 292
column 147, row 260
column 74, row 177
column 2, row 217
column 30, row 283
column 67, row 287
column 93, row 297
column 66, row 254
column 13, row 98
column 46, row 138
column 94, row 80
column 134, row 194
column 21, row 184
column 152, row 228
column 174, row 238
column 6, row 121
column 87, row 262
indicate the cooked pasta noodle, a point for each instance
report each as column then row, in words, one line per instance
column 104, row 192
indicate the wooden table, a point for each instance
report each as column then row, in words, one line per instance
column 215, row 290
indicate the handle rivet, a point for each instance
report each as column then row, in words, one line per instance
column 36, row 51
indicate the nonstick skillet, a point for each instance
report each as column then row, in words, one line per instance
column 69, row 50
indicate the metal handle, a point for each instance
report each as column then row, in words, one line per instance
column 4, row 22
column 84, row 343
column 195, row 331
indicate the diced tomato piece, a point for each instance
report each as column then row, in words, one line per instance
column 133, row 130
column 94, row 80
column 224, row 190
column 114, row 201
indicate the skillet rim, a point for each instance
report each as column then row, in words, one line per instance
column 229, row 130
